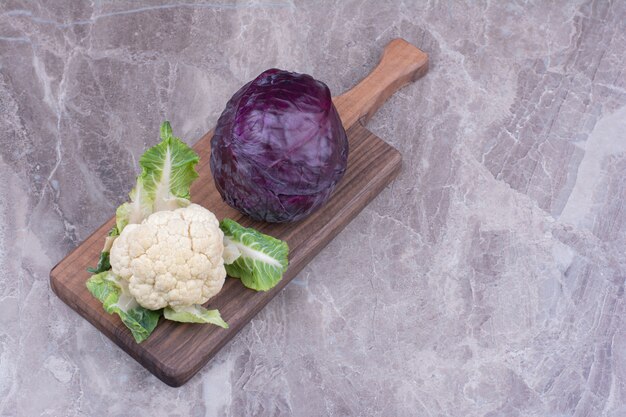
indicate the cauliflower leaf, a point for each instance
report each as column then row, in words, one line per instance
column 116, row 299
column 195, row 314
column 139, row 207
column 168, row 171
column 104, row 263
column 262, row 259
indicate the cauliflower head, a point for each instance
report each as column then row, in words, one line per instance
column 173, row 258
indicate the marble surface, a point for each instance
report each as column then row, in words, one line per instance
column 487, row 280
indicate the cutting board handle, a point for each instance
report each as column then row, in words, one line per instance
column 400, row 64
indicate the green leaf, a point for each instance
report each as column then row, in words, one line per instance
column 113, row 292
column 166, row 130
column 139, row 207
column 103, row 262
column 168, row 169
column 263, row 259
column 231, row 252
column 195, row 314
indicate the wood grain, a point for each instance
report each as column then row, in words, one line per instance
column 175, row 351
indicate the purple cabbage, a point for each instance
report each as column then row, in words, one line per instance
column 279, row 147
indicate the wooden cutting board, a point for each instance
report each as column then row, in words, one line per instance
column 175, row 352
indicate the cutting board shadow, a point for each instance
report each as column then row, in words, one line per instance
column 175, row 352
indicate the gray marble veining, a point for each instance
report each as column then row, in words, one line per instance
column 487, row 280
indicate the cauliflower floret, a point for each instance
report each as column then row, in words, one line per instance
column 173, row 258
